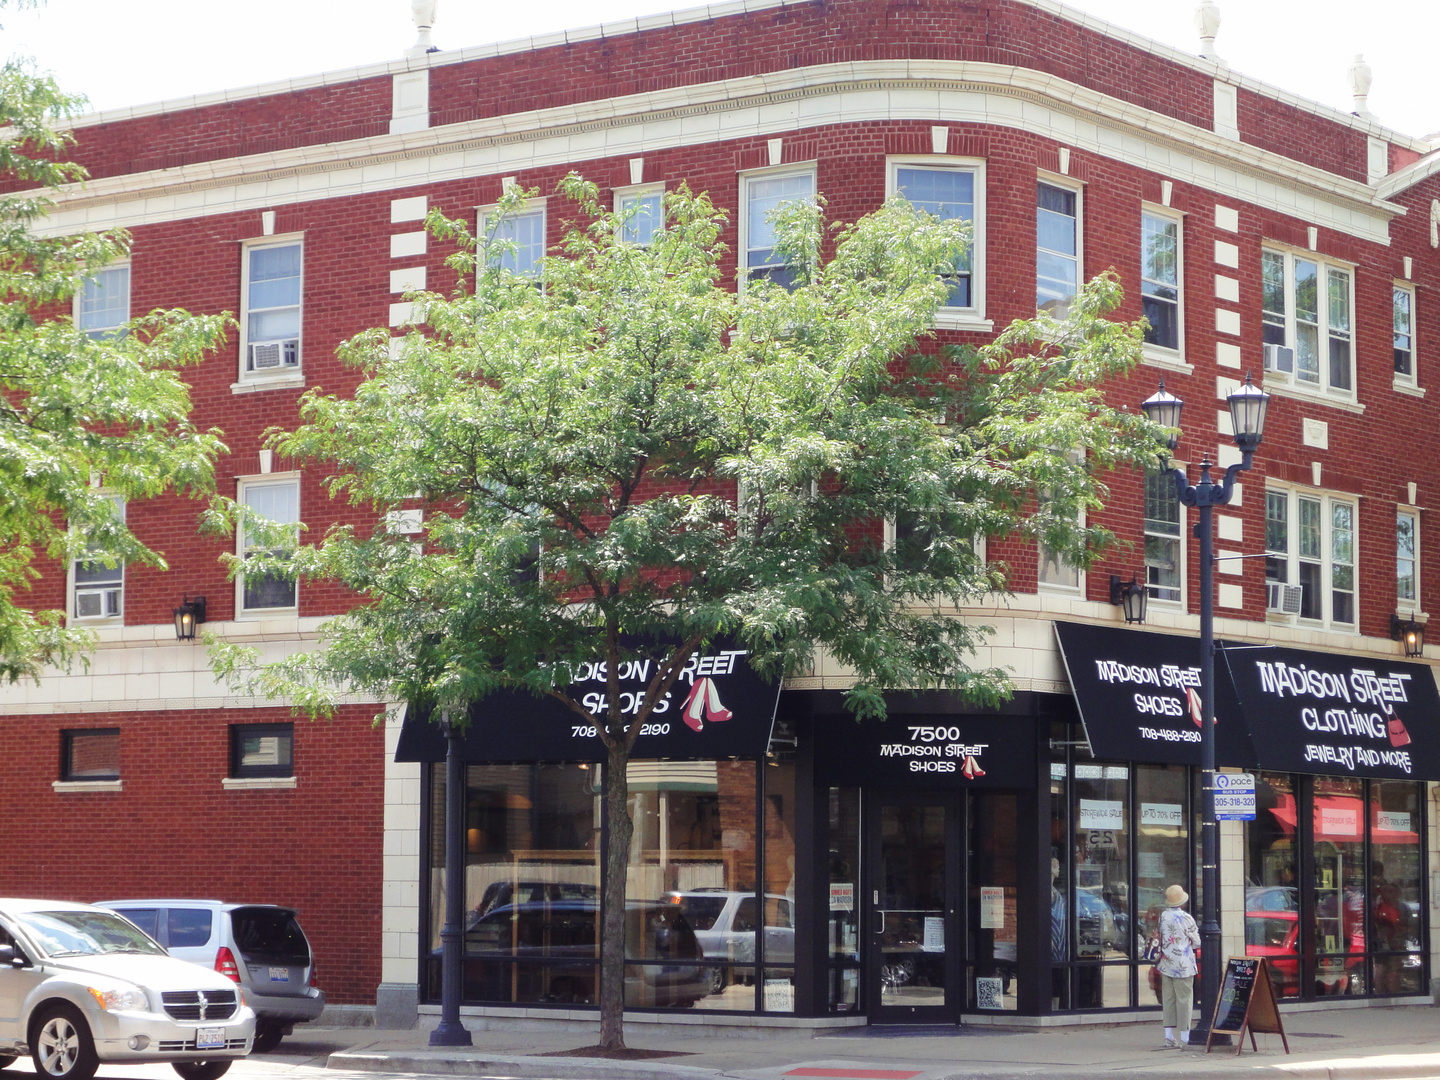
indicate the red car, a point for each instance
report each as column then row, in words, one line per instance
column 1275, row 936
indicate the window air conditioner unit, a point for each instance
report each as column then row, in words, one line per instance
column 269, row 355
column 97, row 603
column 1280, row 358
column 1282, row 599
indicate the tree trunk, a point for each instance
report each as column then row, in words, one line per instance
column 619, row 829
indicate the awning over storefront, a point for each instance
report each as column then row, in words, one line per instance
column 1341, row 818
column 1131, row 691
column 1290, row 710
column 718, row 708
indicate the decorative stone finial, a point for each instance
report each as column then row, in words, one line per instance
column 1207, row 23
column 1360, row 77
column 423, row 12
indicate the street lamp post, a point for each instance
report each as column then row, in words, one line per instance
column 451, row 1031
column 1247, row 414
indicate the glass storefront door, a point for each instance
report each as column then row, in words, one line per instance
column 913, row 969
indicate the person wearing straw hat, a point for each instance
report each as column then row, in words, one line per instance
column 1179, row 938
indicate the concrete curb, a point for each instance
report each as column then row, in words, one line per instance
column 450, row 1063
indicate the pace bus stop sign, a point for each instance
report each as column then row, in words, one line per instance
column 1234, row 796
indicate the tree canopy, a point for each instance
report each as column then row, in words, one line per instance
column 636, row 452
column 83, row 420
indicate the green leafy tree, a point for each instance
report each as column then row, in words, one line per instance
column 75, row 411
column 599, row 430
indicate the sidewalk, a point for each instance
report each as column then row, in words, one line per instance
column 1363, row 1044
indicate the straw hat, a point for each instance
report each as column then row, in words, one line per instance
column 1175, row 896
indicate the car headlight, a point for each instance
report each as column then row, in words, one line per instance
column 132, row 1000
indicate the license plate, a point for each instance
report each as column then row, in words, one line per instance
column 279, row 974
column 210, row 1038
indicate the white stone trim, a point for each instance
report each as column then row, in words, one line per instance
column 258, row 783
column 400, row 888
column 75, row 787
column 959, row 92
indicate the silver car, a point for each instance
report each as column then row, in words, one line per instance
column 259, row 946
column 80, row 986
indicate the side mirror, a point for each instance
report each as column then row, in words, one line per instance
column 13, row 957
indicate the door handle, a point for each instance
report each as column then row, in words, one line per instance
column 879, row 921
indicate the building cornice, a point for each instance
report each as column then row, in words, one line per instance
column 773, row 103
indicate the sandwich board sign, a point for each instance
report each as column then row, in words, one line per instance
column 1246, row 1001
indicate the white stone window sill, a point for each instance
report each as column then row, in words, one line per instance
column 1409, row 388
column 1317, row 397
column 258, row 783
column 288, row 381
column 67, row 787
column 960, row 320
column 1166, row 361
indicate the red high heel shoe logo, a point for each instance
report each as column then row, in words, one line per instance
column 1398, row 735
column 971, row 769
column 704, row 700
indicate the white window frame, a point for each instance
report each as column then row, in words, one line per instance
column 244, row 485
column 1322, row 387
column 1411, row 379
column 286, row 373
column 1408, row 605
column 1151, row 350
column 1178, row 602
column 1326, row 561
column 1061, row 183
column 102, row 330
column 954, row 318
column 625, row 197
column 73, row 586
column 747, row 269
column 532, row 208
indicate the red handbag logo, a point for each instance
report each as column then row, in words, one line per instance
column 704, row 700
column 1398, row 735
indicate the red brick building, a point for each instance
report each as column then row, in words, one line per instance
column 1237, row 215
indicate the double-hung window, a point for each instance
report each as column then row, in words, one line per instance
column 642, row 214
column 763, row 195
column 271, row 294
column 90, row 754
column 950, row 192
column 1160, row 279
column 1310, row 543
column 1057, row 248
column 1162, row 538
column 1307, row 310
column 278, row 501
column 1407, row 561
column 98, row 588
column 102, row 303
column 1402, row 307
column 518, row 244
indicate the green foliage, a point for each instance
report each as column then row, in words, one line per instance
column 75, row 410
column 601, row 424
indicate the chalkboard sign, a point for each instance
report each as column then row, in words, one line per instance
column 1246, row 1001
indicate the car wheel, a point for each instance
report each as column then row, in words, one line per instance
column 717, row 980
column 201, row 1070
column 267, row 1037
column 63, row 1048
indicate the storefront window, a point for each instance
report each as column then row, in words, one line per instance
column 779, row 907
column 993, row 847
column 1396, row 868
column 844, row 933
column 1059, row 880
column 1161, row 792
column 1102, row 917
column 694, row 850
column 1338, row 885
column 1272, row 899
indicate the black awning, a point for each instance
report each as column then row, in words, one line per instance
column 1334, row 714
column 717, row 708
column 1130, row 689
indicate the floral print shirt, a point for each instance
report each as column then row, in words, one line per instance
column 1179, row 938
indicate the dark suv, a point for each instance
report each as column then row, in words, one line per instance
column 260, row 946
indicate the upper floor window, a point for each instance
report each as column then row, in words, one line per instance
column 277, row 501
column 1057, row 248
column 1402, row 306
column 1310, row 544
column 98, row 588
column 1160, row 279
column 258, row 750
column 762, row 196
column 949, row 192
column 271, row 301
column 519, row 243
column 102, row 304
column 1162, row 537
column 90, row 754
column 642, row 214
column 1306, row 312
column 1407, row 560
